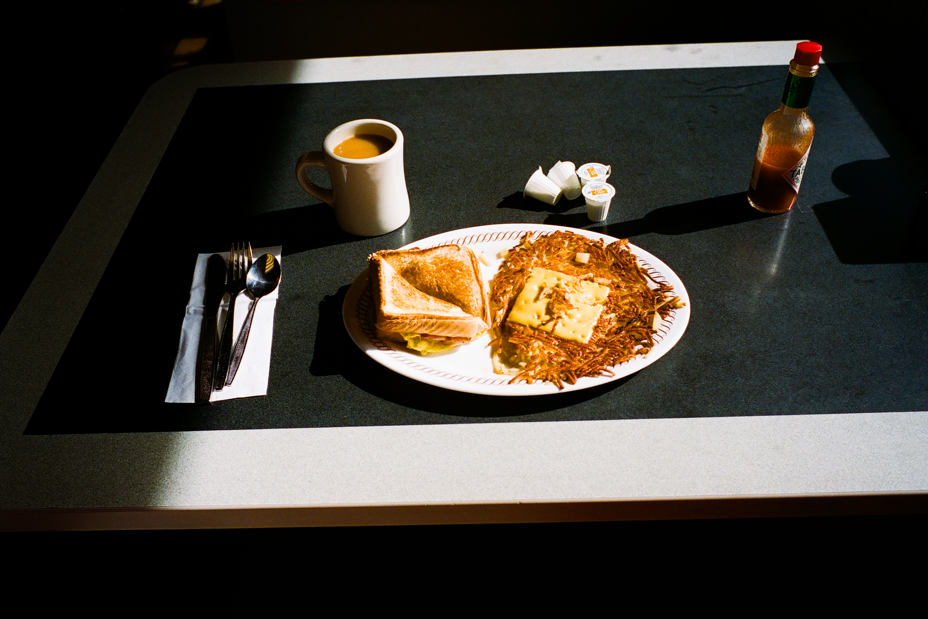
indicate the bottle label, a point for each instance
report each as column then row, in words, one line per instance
column 793, row 176
column 761, row 147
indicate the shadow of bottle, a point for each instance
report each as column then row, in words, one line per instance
column 884, row 220
column 677, row 219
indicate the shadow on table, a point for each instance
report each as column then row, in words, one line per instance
column 295, row 229
column 517, row 201
column 121, row 373
column 335, row 353
column 673, row 220
column 883, row 221
column 670, row 220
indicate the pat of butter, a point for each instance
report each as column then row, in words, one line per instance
column 586, row 297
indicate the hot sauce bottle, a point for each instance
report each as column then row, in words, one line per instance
column 786, row 137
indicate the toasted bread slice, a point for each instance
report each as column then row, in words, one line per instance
column 402, row 308
column 450, row 273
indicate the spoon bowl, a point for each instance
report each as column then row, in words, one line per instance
column 262, row 279
column 263, row 276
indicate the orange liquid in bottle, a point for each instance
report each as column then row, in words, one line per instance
column 770, row 192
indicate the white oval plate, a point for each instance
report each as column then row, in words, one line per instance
column 468, row 368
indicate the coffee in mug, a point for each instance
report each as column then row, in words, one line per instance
column 363, row 146
column 364, row 159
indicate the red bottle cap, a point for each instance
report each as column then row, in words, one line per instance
column 808, row 53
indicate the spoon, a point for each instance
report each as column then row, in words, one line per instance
column 262, row 279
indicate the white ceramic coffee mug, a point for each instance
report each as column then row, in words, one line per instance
column 368, row 194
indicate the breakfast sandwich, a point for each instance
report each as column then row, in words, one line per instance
column 430, row 299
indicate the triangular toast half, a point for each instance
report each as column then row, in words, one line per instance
column 449, row 272
column 402, row 308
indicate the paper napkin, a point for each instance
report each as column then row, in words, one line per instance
column 251, row 379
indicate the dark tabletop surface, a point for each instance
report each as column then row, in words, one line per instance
column 820, row 310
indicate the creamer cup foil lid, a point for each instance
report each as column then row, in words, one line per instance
column 593, row 173
column 598, row 193
column 598, row 197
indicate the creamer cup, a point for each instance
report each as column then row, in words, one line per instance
column 593, row 173
column 564, row 175
column 598, row 197
column 542, row 188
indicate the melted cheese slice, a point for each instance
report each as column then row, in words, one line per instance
column 533, row 311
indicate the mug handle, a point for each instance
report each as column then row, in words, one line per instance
column 314, row 158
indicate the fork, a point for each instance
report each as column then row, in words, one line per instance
column 239, row 263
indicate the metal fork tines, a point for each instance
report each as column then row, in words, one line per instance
column 239, row 263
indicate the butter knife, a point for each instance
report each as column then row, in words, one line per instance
column 206, row 353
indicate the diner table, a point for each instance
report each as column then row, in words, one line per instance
column 799, row 386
